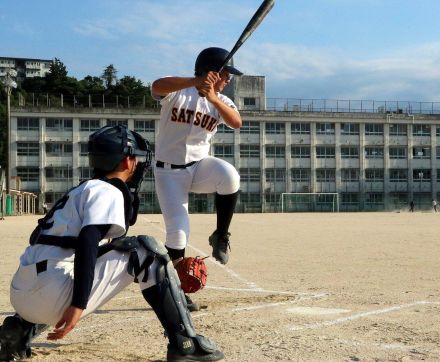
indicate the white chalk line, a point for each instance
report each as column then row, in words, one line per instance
column 263, row 291
column 359, row 315
column 245, row 290
column 277, row 304
column 147, row 317
column 388, row 346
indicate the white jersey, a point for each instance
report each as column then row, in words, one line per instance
column 95, row 202
column 187, row 124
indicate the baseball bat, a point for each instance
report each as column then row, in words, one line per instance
column 255, row 21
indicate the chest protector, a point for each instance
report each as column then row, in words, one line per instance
column 131, row 208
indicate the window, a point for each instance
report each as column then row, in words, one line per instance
column 374, row 175
column 437, row 131
column 275, row 174
column 374, row 129
column 83, row 149
column 250, row 151
column 28, row 149
column 422, row 175
column 249, row 101
column 373, row 152
column 398, row 175
column 421, row 152
column 348, row 198
column 115, row 122
column 274, row 128
column 250, row 127
column 272, row 198
column 349, row 175
column 300, row 175
column 89, row 125
column 349, row 128
column 325, row 175
column 52, row 197
column 437, row 152
column 374, row 198
column 221, row 150
column 58, row 149
column 397, row 152
column 250, row 198
column 144, row 126
column 325, row 152
column 59, row 124
column 300, row 128
column 349, row 152
column 58, row 173
column 148, row 201
column 28, row 124
column 28, row 173
column 149, row 175
column 325, row 128
column 438, row 175
column 273, row 151
column 300, row 152
column 421, row 130
column 398, row 130
column 250, row 174
column 222, row 128
column 85, row 173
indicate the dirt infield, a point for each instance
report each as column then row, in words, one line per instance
column 298, row 287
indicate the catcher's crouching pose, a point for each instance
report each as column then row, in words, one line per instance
column 68, row 272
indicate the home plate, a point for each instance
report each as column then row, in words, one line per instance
column 316, row 311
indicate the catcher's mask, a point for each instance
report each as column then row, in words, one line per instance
column 211, row 59
column 108, row 146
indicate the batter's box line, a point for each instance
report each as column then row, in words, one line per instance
column 265, row 291
column 148, row 317
column 353, row 317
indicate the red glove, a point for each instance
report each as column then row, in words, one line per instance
column 192, row 274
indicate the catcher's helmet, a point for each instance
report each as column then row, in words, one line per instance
column 211, row 59
column 109, row 145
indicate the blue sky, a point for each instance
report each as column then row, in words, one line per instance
column 337, row 49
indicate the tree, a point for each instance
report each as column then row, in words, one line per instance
column 91, row 85
column 109, row 76
column 130, row 86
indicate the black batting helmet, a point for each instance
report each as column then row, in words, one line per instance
column 109, row 145
column 211, row 59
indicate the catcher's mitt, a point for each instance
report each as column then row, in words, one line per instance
column 192, row 274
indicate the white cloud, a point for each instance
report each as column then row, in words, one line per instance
column 403, row 72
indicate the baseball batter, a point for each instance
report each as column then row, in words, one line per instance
column 192, row 108
column 71, row 268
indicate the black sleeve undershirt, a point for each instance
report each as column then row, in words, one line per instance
column 86, row 253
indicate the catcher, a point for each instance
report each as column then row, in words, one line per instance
column 64, row 274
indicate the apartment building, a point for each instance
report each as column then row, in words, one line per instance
column 25, row 67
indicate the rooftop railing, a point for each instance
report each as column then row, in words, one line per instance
column 272, row 104
column 350, row 106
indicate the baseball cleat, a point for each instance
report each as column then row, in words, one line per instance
column 174, row 355
column 13, row 340
column 220, row 245
column 192, row 306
